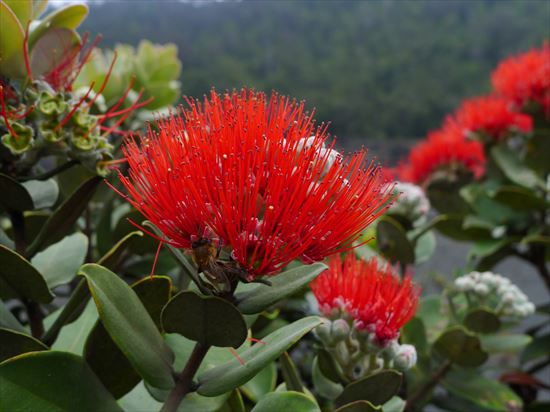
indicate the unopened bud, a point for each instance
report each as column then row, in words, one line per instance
column 405, row 358
column 340, row 329
column 323, row 332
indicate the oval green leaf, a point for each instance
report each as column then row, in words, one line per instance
column 103, row 355
column 52, row 381
column 324, row 386
column 261, row 297
column 261, row 384
column 488, row 394
column 461, row 347
column 44, row 193
column 393, row 242
column 209, row 320
column 504, row 343
column 228, row 376
column 19, row 278
column 482, row 320
column 286, row 401
column 11, row 43
column 59, row 262
column 111, row 258
column 14, row 195
column 377, row 388
column 130, row 326
column 14, row 343
column 359, row 406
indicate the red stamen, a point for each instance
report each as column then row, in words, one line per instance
column 156, row 259
column 256, row 341
column 74, row 109
column 236, row 355
column 4, row 113
column 107, row 77
column 131, row 108
column 23, row 115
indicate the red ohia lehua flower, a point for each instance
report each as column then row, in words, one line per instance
column 490, row 116
column 368, row 291
column 525, row 78
column 253, row 176
column 446, row 150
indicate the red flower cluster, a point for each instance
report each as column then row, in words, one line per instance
column 491, row 116
column 525, row 78
column 369, row 292
column 240, row 170
column 445, row 149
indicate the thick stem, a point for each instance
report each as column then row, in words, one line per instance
column 35, row 318
column 425, row 389
column 34, row 313
column 184, row 380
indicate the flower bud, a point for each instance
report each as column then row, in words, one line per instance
column 340, row 329
column 323, row 332
column 481, row 289
column 405, row 358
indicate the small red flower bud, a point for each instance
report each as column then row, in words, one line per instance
column 370, row 292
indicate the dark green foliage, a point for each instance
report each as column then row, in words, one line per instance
column 372, row 68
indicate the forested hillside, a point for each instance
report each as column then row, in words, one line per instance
column 374, row 68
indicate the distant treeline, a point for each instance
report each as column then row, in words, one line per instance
column 373, row 68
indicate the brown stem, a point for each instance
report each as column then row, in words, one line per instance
column 34, row 313
column 184, row 381
column 425, row 389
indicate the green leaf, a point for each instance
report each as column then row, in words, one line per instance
column 290, row 373
column 209, row 320
column 393, row 242
column 519, row 198
column 19, row 278
column 486, row 393
column 261, row 297
column 452, row 226
column 14, row 343
column 52, row 381
column 8, row 321
column 395, row 404
column 359, row 406
column 59, row 262
column 139, row 400
column 539, row 347
column 482, row 320
column 103, row 355
column 22, row 9
column 64, row 217
column 487, row 247
column 55, row 43
column 377, row 388
column 11, row 44
column 44, row 193
column 235, row 403
column 261, row 384
column 72, row 337
column 111, row 258
column 514, row 169
column 414, row 333
column 68, row 17
column 424, row 247
column 232, row 374
column 504, row 343
column 461, row 347
column 444, row 195
column 14, row 195
column 429, row 311
column 324, row 386
column 286, row 401
column 130, row 326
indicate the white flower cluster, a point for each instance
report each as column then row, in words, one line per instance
column 357, row 353
column 489, row 286
column 411, row 203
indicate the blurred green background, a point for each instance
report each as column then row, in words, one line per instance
column 374, row 69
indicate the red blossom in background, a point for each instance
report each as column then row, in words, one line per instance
column 370, row 292
column 235, row 170
column 443, row 149
column 490, row 115
column 525, row 78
